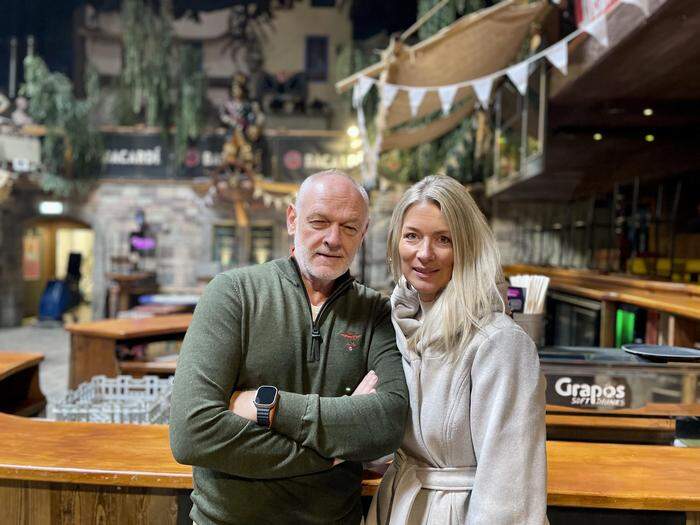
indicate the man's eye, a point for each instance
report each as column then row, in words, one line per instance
column 352, row 230
column 318, row 224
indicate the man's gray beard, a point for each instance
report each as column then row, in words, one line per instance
column 303, row 258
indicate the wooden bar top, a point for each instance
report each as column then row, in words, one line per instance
column 89, row 453
column 673, row 298
column 132, row 328
column 579, row 474
column 13, row 362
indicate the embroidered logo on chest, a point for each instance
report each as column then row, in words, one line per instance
column 351, row 340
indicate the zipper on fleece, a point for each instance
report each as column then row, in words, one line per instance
column 314, row 353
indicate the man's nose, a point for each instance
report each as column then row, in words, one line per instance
column 332, row 238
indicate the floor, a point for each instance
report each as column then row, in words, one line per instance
column 54, row 343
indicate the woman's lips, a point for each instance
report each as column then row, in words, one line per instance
column 425, row 272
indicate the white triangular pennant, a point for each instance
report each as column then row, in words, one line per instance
column 362, row 86
column 518, row 76
column 415, row 97
column 642, row 4
column 389, row 92
column 447, row 97
column 558, row 56
column 482, row 89
column 598, row 29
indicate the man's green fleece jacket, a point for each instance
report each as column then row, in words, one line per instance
column 253, row 326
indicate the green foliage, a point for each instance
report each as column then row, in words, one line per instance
column 453, row 153
column 189, row 116
column 163, row 82
column 72, row 148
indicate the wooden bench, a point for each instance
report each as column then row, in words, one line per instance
column 93, row 345
column 85, row 465
column 19, row 383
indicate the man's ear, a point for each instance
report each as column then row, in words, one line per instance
column 291, row 219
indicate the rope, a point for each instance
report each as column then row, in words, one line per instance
column 423, row 19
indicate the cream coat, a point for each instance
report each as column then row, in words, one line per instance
column 477, row 422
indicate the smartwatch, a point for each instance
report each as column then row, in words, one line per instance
column 266, row 399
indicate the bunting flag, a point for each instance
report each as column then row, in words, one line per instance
column 482, row 90
column 558, row 56
column 641, row 4
column 518, row 76
column 361, row 88
column 598, row 29
column 389, row 92
column 447, row 97
column 415, row 97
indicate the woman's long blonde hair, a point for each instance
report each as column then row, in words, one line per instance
column 471, row 293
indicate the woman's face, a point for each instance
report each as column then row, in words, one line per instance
column 426, row 250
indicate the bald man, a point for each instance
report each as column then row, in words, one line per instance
column 289, row 376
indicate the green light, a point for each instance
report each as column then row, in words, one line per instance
column 597, row 136
column 649, row 137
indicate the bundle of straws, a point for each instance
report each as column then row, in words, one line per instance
column 535, row 287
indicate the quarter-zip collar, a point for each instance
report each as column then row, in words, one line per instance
column 290, row 270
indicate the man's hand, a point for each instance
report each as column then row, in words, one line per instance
column 367, row 385
column 242, row 405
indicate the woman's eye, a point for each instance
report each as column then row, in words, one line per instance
column 445, row 240
column 410, row 236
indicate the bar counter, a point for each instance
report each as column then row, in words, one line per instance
column 679, row 302
column 51, row 469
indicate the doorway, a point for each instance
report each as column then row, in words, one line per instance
column 46, row 247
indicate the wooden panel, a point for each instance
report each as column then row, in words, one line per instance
column 39, row 503
column 133, row 328
column 91, row 356
column 142, row 368
column 608, row 317
column 94, row 453
column 19, row 383
column 13, row 362
column 601, row 475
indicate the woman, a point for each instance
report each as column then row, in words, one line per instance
column 474, row 448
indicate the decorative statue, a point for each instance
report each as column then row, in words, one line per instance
column 19, row 115
column 242, row 151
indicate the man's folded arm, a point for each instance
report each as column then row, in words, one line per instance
column 356, row 428
column 203, row 431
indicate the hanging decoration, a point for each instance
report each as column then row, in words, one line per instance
column 556, row 54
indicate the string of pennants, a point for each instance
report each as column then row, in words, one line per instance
column 557, row 54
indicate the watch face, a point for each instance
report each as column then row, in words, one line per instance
column 266, row 395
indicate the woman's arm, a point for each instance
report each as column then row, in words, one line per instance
column 508, row 431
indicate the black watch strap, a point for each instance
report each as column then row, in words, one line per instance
column 264, row 417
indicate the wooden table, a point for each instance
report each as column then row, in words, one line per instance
column 19, row 383
column 55, row 471
column 93, row 345
column 678, row 303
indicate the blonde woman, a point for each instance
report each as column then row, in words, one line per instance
column 474, row 447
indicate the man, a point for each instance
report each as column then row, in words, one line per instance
column 304, row 326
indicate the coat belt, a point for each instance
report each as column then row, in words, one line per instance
column 411, row 478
